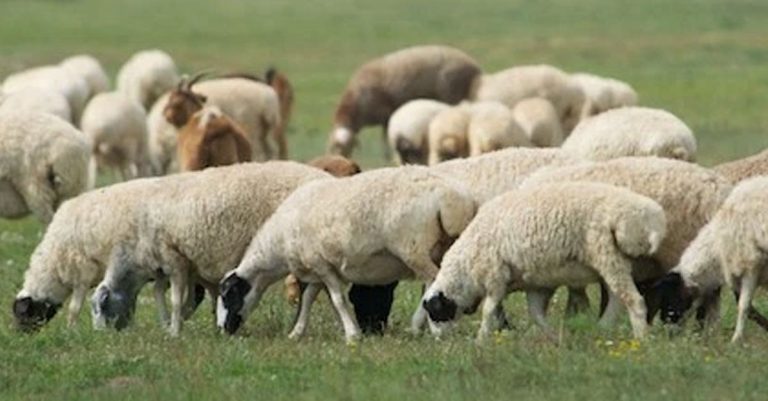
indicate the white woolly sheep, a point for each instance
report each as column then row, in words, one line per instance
column 146, row 76
column 517, row 83
column 372, row 228
column 408, row 130
column 540, row 238
column 493, row 127
column 447, row 134
column 605, row 93
column 538, row 119
column 117, row 127
column 54, row 78
column 196, row 228
column 741, row 169
column 632, row 131
column 43, row 162
column 88, row 68
column 382, row 85
column 42, row 100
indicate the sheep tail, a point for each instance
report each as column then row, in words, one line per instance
column 456, row 211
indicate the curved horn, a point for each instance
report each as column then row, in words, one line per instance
column 197, row 77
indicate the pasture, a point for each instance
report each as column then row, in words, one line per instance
column 704, row 60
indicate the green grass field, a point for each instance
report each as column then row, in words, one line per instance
column 704, row 60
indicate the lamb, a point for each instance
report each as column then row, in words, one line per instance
column 538, row 119
column 84, row 236
column 195, row 229
column 251, row 104
column 408, row 130
column 539, row 238
column 382, row 85
column 43, row 100
column 447, row 136
column 146, row 76
column 514, row 84
column 335, row 231
column 605, row 93
column 632, row 131
column 51, row 78
column 211, row 139
column 88, row 68
column 689, row 194
column 43, row 162
column 117, row 127
column 492, row 127
column 741, row 169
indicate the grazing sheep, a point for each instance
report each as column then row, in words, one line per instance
column 51, row 78
column 689, row 194
column 741, row 169
column 85, row 235
column 538, row 119
column 447, row 136
column 493, row 127
column 146, row 76
column 251, row 104
column 161, row 139
column 88, row 68
column 42, row 100
column 605, row 93
column 43, row 162
column 372, row 228
column 517, row 83
column 632, row 131
column 382, row 85
column 195, row 229
column 408, row 130
column 211, row 139
column 543, row 237
column 118, row 130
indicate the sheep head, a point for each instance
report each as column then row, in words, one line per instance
column 183, row 102
column 231, row 305
column 31, row 314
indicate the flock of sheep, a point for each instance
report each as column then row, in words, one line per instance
column 559, row 179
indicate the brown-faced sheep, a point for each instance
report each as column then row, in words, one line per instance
column 382, row 85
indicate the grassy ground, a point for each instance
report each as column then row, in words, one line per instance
column 704, row 60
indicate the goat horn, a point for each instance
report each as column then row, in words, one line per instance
column 198, row 77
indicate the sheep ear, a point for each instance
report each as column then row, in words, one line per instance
column 233, row 292
column 21, row 306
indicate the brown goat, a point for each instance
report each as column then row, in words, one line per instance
column 211, row 139
column 183, row 103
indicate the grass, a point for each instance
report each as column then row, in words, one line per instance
column 704, row 60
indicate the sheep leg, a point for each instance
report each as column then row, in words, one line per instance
column 75, row 303
column 538, row 303
column 308, row 297
column 578, row 301
column 611, row 309
column 161, row 285
column 753, row 314
column 748, row 285
column 490, row 322
column 179, row 288
column 621, row 286
column 342, row 305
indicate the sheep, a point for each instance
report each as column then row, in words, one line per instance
column 689, row 194
column 195, row 229
column 741, row 169
column 90, row 70
column 492, row 127
column 605, row 93
column 43, row 100
column 43, row 162
column 117, row 127
column 447, row 134
column 161, row 139
column 211, row 139
column 517, row 83
column 335, row 231
column 408, row 130
column 538, row 119
column 632, row 131
column 146, row 76
column 85, row 234
column 539, row 238
column 52, row 78
column 251, row 104
column 382, row 85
